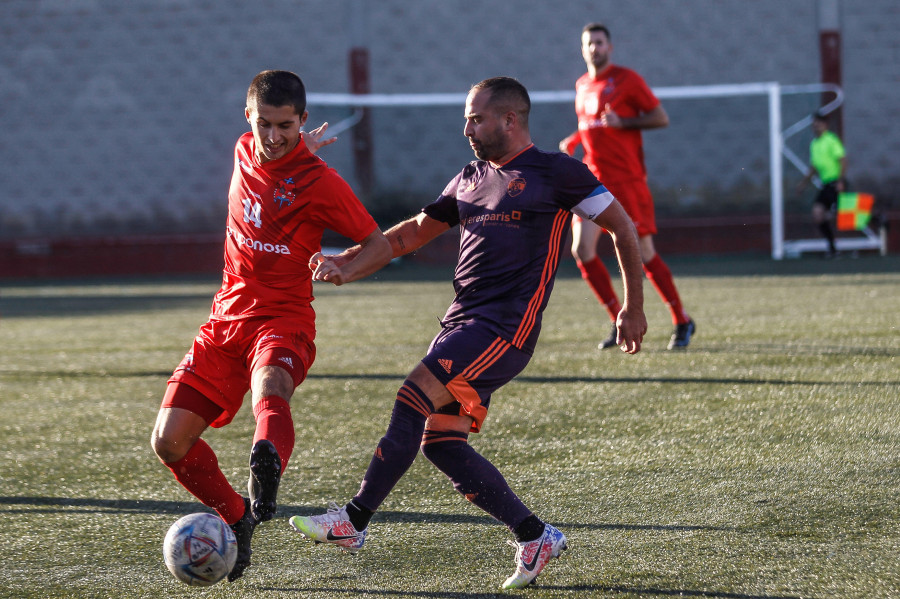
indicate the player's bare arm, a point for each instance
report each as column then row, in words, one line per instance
column 631, row 322
column 655, row 119
column 413, row 233
column 404, row 237
column 373, row 253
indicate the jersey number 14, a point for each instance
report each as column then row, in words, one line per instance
column 253, row 213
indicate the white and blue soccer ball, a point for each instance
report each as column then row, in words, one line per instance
column 200, row 549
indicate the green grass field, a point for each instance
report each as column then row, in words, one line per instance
column 762, row 463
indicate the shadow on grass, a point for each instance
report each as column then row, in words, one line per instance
column 105, row 374
column 650, row 592
column 587, row 590
column 699, row 380
column 634, row 380
column 335, row 592
column 177, row 508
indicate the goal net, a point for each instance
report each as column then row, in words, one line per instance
column 726, row 152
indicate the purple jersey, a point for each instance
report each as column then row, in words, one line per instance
column 514, row 220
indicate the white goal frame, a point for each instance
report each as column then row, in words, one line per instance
column 772, row 90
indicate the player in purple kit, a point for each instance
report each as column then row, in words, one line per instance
column 513, row 207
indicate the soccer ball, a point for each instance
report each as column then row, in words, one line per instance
column 200, row 549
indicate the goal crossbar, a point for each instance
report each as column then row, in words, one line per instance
column 772, row 90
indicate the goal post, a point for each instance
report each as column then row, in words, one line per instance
column 772, row 91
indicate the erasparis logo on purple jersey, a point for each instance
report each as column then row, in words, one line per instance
column 493, row 217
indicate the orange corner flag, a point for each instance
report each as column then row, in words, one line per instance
column 854, row 210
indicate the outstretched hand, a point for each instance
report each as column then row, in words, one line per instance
column 314, row 139
column 325, row 269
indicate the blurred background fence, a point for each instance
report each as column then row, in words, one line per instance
column 120, row 117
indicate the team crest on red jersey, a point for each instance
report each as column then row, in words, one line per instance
column 515, row 187
column 609, row 88
column 284, row 193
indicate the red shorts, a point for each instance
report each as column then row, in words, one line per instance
column 225, row 354
column 635, row 197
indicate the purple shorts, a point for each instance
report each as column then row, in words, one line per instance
column 472, row 363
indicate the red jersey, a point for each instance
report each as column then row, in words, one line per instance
column 613, row 155
column 277, row 212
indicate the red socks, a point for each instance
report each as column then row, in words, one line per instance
column 661, row 278
column 198, row 472
column 274, row 423
column 598, row 279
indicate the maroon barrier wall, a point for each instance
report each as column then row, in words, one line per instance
column 184, row 254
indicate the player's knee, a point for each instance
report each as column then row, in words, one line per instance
column 167, row 449
column 583, row 252
column 441, row 444
column 270, row 381
column 437, row 453
column 818, row 213
column 575, row 253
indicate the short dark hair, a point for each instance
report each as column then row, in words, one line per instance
column 507, row 94
column 820, row 116
column 597, row 26
column 278, row 88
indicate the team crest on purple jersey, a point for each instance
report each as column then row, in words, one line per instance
column 515, row 187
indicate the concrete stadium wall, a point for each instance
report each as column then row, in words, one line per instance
column 120, row 117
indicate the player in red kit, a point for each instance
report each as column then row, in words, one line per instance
column 613, row 105
column 261, row 330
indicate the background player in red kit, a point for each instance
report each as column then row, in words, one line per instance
column 261, row 328
column 613, row 104
column 513, row 207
